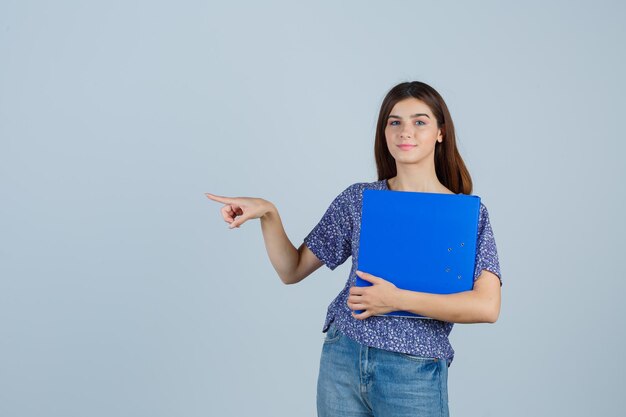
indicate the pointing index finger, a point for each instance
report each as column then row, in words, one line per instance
column 221, row 199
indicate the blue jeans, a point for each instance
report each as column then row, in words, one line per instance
column 358, row 380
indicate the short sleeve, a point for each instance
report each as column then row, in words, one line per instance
column 331, row 239
column 486, row 251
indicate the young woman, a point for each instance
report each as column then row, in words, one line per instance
column 386, row 365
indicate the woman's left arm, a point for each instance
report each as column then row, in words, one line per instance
column 479, row 305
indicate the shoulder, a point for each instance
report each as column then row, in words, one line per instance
column 347, row 197
column 348, row 192
column 484, row 222
column 352, row 195
column 484, row 212
column 355, row 190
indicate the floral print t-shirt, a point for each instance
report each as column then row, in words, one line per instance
column 336, row 237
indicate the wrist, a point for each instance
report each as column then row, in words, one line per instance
column 270, row 210
column 398, row 299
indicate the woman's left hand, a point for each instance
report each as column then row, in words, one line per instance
column 376, row 299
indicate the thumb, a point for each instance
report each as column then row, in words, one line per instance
column 365, row 276
column 238, row 222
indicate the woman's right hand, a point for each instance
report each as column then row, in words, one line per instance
column 245, row 207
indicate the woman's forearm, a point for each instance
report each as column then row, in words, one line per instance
column 462, row 307
column 283, row 254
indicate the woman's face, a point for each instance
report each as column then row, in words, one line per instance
column 411, row 122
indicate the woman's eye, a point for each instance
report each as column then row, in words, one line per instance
column 396, row 122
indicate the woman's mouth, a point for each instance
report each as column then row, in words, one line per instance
column 406, row 147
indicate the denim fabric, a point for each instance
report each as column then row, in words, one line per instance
column 359, row 380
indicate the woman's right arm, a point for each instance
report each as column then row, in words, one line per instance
column 291, row 264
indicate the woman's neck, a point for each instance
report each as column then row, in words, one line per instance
column 420, row 185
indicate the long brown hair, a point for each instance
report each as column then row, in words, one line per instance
column 449, row 165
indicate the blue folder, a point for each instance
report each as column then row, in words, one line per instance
column 422, row 242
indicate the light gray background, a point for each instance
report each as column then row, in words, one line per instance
column 124, row 293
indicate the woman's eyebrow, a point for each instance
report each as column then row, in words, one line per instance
column 415, row 115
